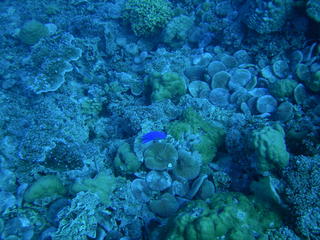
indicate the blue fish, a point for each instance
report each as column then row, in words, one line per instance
column 154, row 135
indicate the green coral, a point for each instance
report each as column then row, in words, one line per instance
column 270, row 147
column 32, row 31
column 164, row 86
column 209, row 137
column 45, row 186
column 147, row 17
column 231, row 216
column 126, row 162
column 103, row 185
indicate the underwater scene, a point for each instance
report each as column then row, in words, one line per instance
column 160, row 120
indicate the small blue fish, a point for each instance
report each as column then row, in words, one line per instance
column 154, row 135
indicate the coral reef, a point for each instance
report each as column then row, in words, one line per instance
column 159, row 119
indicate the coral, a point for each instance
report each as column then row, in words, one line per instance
column 308, row 76
column 63, row 157
column 147, row 17
column 20, row 227
column 314, row 84
column 313, row 9
column 302, row 188
column 91, row 106
column 285, row 112
column 46, row 186
column 220, row 79
column 49, row 61
column 239, row 78
column 207, row 136
column 207, row 189
column 32, row 31
column 164, row 86
column 219, row 97
column 266, row 104
column 268, row 16
column 283, row 233
column 176, row 31
column 198, row 88
column 126, row 162
column 188, row 166
column 265, row 189
column 60, row 144
column 230, row 216
column 270, row 147
column 160, row 156
column 158, row 180
column 102, row 184
column 215, row 67
column 283, row 88
column 78, row 221
column 165, row 206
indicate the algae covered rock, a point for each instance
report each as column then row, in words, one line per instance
column 231, row 216
column 45, row 186
column 270, row 147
